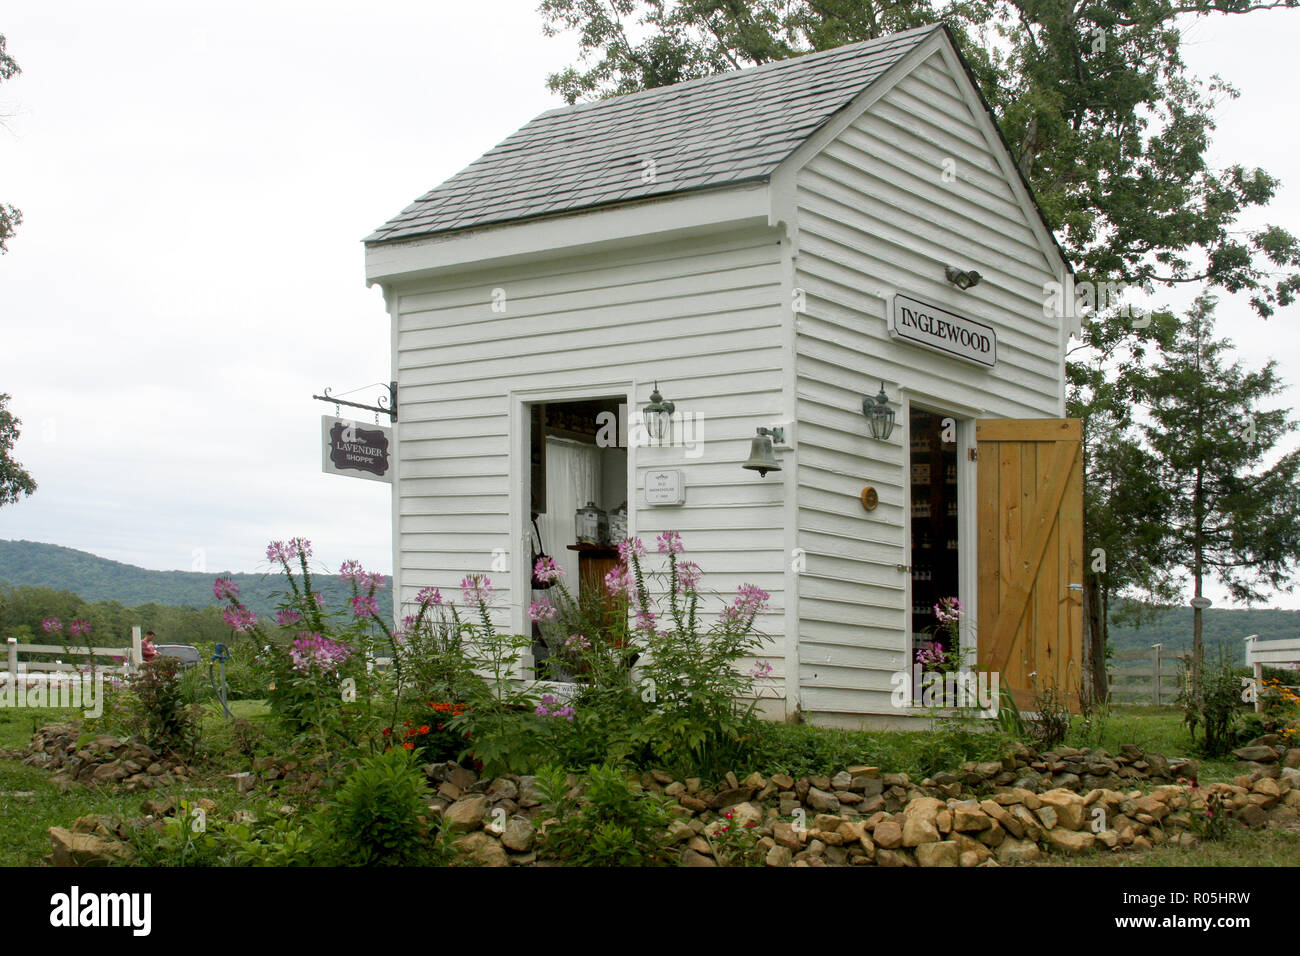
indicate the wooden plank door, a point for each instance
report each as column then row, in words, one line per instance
column 1030, row 554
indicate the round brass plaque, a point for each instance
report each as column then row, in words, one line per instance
column 870, row 498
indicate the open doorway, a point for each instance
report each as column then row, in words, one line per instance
column 579, row 491
column 935, row 545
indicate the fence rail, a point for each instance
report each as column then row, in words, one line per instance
column 1151, row 676
column 15, row 667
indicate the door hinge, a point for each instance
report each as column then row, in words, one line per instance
column 973, row 454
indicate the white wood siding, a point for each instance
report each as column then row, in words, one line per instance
column 874, row 216
column 703, row 316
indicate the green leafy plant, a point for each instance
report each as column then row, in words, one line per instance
column 1218, row 710
column 168, row 720
column 613, row 822
column 376, row 817
column 1051, row 721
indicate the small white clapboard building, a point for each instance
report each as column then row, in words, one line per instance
column 752, row 253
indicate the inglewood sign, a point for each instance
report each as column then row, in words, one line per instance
column 934, row 328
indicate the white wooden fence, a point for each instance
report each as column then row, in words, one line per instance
column 1259, row 653
column 38, row 670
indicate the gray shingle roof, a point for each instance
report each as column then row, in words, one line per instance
column 716, row 131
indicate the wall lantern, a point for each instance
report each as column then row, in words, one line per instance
column 879, row 415
column 658, row 416
column 962, row 279
column 761, row 457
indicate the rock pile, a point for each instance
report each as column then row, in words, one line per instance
column 1000, row 812
column 104, row 759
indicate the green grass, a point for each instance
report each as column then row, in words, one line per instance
column 1242, row 847
column 32, row 804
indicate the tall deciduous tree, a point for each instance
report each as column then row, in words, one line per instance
column 10, row 218
column 14, row 480
column 1224, row 512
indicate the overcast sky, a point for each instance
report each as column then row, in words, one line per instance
column 195, row 180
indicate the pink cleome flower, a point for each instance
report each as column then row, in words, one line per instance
column 52, row 625
column 629, row 548
column 313, row 650
column 287, row 618
column 239, row 618
column 620, row 581
column 546, row 570
column 689, row 574
column 670, row 542
column 363, row 606
column 429, row 596
column 223, row 588
column 476, row 589
column 79, row 628
column 539, row 611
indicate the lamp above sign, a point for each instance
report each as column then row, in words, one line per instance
column 356, row 451
column 935, row 328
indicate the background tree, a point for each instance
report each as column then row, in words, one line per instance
column 14, row 481
column 10, row 218
column 1223, row 512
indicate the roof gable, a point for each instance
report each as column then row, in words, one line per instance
column 717, row 131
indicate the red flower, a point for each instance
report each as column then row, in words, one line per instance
column 424, row 728
column 408, row 746
column 388, row 731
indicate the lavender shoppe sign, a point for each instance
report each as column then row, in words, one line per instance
column 935, row 328
column 355, row 450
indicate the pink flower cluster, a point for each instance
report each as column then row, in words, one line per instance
column 689, row 574
column 315, row 650
column 429, row 596
column 576, row 642
column 542, row 610
column 476, row 589
column 546, row 570
column 546, row 707
column 931, row 654
column 287, row 617
column 364, row 580
column 223, row 588
column 621, row 581
column 670, row 542
column 52, row 625
column 284, row 552
column 629, row 548
column 750, row 600
column 364, row 606
column 239, row 618
column 79, row 628
column 948, row 611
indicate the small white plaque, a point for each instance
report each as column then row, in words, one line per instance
column 665, row 488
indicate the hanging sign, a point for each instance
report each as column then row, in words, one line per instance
column 935, row 328
column 355, row 450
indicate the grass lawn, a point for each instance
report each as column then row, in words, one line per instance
column 31, row 804
column 1242, row 847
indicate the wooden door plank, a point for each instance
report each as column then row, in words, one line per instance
column 1017, row 587
column 1028, row 429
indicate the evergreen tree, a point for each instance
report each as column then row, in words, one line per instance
column 1226, row 512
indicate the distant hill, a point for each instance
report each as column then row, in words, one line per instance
column 1224, row 628
column 92, row 578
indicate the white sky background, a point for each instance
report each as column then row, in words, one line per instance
column 195, row 181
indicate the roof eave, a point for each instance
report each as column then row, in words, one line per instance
column 665, row 218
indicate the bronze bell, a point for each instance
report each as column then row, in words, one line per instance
column 761, row 457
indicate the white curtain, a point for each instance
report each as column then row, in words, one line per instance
column 573, row 477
